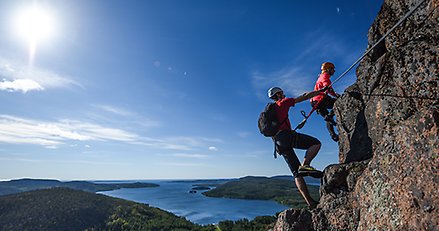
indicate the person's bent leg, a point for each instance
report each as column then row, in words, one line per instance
column 294, row 163
column 310, row 144
column 329, row 118
column 331, row 130
column 303, row 189
column 312, row 147
column 311, row 152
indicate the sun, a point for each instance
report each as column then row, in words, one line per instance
column 34, row 24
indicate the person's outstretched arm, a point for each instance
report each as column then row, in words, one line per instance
column 308, row 95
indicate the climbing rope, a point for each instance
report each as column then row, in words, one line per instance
column 381, row 39
column 302, row 123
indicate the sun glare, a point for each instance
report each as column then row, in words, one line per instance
column 34, row 25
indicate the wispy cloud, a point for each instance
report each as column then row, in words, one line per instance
column 113, row 114
column 180, row 143
column 212, row 148
column 34, row 160
column 187, row 155
column 18, row 77
column 243, row 134
column 164, row 144
column 300, row 75
column 329, row 47
column 180, row 164
column 51, row 134
column 193, row 141
column 23, row 85
column 292, row 80
column 114, row 110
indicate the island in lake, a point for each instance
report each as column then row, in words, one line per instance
column 24, row 185
column 279, row 188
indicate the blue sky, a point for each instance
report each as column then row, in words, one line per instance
column 164, row 89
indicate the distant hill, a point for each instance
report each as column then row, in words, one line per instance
column 68, row 209
column 281, row 189
column 308, row 180
column 24, row 185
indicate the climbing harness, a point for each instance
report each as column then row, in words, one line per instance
column 301, row 124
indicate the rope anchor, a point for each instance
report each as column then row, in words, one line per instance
column 301, row 124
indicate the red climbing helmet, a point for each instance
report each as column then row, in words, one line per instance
column 327, row 65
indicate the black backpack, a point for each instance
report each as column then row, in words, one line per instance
column 267, row 122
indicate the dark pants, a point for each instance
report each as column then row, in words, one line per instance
column 287, row 140
column 322, row 109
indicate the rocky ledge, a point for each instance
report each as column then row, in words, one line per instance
column 387, row 178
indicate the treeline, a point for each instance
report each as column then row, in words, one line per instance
column 24, row 185
column 67, row 209
column 260, row 223
column 281, row 190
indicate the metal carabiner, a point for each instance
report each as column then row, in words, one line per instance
column 303, row 113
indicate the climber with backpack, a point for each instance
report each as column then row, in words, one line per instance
column 274, row 122
column 323, row 103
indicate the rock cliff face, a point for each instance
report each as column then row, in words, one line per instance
column 387, row 178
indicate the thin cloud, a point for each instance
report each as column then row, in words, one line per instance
column 51, row 134
column 51, row 147
column 178, row 143
column 243, row 134
column 61, row 161
column 113, row 114
column 292, row 80
column 25, row 78
column 328, row 48
column 15, row 130
column 187, row 155
column 178, row 164
column 193, row 141
column 114, row 110
column 212, row 148
column 163, row 144
column 23, row 85
column 298, row 77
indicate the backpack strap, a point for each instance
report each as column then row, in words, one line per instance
column 274, row 151
column 274, row 139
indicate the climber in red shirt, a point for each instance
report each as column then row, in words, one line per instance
column 287, row 139
column 323, row 101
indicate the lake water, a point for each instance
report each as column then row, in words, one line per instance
column 174, row 197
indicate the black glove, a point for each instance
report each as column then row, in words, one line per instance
column 337, row 95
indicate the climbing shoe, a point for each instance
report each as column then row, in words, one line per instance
column 306, row 170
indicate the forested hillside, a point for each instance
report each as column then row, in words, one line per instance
column 67, row 209
column 279, row 189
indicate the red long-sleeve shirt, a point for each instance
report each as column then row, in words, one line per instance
column 323, row 81
column 282, row 112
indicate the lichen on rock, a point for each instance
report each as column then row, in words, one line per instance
column 387, row 178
